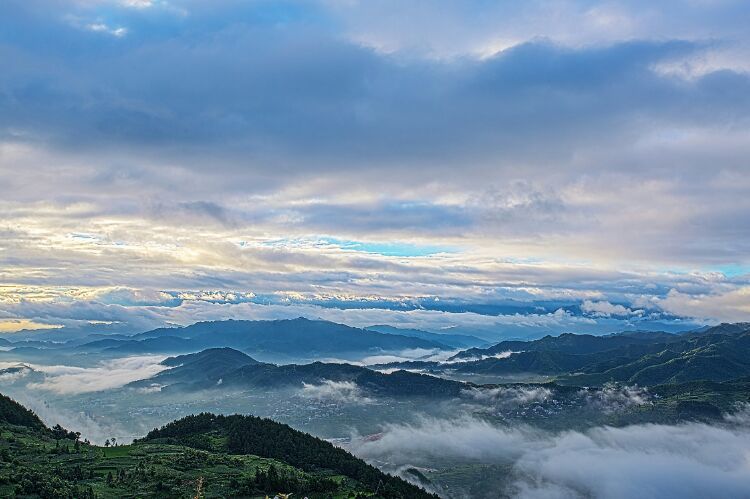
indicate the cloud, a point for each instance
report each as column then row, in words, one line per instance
column 500, row 355
column 138, row 4
column 19, row 324
column 612, row 398
column 605, row 308
column 155, row 388
column 93, row 428
column 511, row 396
column 644, row 461
column 103, row 28
column 730, row 306
column 544, row 156
column 13, row 373
column 688, row 460
column 339, row 392
column 69, row 380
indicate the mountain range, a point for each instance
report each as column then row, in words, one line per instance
column 275, row 340
column 227, row 369
column 720, row 353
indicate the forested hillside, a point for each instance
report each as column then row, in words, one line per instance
column 199, row 456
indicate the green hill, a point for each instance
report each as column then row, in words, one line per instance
column 13, row 413
column 714, row 354
column 263, row 437
column 203, row 456
column 710, row 357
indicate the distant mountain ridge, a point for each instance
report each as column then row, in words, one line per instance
column 452, row 340
column 288, row 337
column 225, row 368
column 565, row 343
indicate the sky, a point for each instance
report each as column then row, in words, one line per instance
column 507, row 168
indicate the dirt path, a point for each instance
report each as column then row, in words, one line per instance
column 199, row 489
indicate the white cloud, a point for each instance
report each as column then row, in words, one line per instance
column 612, row 398
column 605, row 308
column 138, row 4
column 14, row 372
column 99, row 27
column 509, row 395
column 340, row 392
column 729, row 306
column 688, row 460
column 68, row 380
column 93, row 428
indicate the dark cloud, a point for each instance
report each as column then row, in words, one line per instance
column 245, row 91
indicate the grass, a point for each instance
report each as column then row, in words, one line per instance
column 136, row 470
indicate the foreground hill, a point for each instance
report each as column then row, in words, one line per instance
column 13, row 413
column 225, row 368
column 198, row 456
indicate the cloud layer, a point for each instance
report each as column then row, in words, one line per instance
column 70, row 380
column 689, row 460
column 586, row 155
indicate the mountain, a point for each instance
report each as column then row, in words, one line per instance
column 451, row 340
column 714, row 354
column 211, row 358
column 295, row 338
column 243, row 435
column 164, row 344
column 13, row 413
column 566, row 343
column 209, row 364
column 201, row 456
column 710, row 356
column 225, row 369
column 396, row 384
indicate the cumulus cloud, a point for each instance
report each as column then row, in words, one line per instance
column 689, row 460
column 68, row 380
column 340, row 392
column 731, row 305
column 606, row 308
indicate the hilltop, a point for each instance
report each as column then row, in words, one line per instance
column 203, row 455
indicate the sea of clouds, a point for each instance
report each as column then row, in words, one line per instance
column 690, row 460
